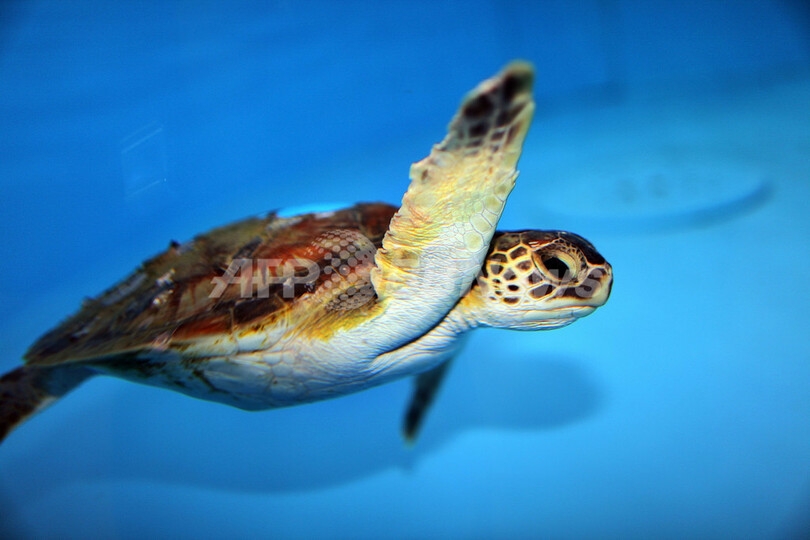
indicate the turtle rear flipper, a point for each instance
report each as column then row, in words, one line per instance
column 28, row 390
column 426, row 386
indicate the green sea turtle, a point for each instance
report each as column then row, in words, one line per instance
column 275, row 311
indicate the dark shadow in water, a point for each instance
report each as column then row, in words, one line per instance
column 797, row 524
column 10, row 525
column 303, row 448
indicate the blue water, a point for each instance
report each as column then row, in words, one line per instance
column 674, row 135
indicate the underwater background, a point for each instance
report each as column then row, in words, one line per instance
column 673, row 135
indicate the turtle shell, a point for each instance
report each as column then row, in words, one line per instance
column 234, row 277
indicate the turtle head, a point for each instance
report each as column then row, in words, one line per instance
column 533, row 280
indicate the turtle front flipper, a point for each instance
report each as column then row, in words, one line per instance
column 28, row 390
column 438, row 239
column 426, row 386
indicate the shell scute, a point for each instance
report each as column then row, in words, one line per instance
column 169, row 297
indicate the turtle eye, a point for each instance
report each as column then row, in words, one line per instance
column 559, row 266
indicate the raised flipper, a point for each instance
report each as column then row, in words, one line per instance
column 426, row 386
column 28, row 390
column 438, row 239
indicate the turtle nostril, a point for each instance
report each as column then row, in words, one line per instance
column 557, row 268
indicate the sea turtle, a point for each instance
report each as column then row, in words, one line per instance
column 280, row 310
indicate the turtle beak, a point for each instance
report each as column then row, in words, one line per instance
column 592, row 292
column 600, row 279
